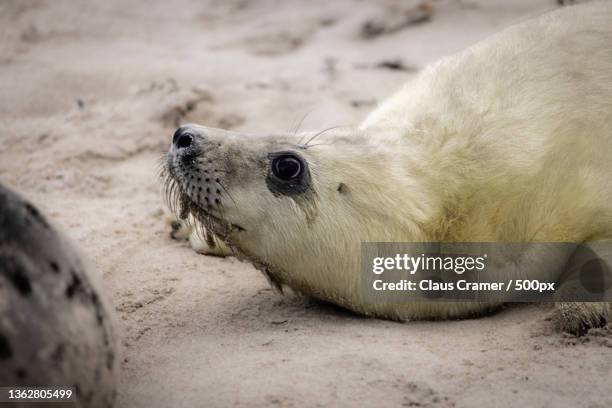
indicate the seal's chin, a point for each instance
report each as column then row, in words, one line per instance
column 219, row 226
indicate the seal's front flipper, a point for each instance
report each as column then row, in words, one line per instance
column 579, row 317
column 200, row 239
column 585, row 289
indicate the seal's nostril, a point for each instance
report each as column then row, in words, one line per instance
column 179, row 131
column 182, row 138
column 184, row 141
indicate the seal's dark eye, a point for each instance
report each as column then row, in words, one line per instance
column 287, row 167
column 288, row 174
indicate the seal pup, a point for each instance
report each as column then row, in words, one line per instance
column 55, row 328
column 507, row 141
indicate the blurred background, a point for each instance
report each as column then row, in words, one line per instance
column 90, row 95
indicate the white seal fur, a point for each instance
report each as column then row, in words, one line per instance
column 509, row 140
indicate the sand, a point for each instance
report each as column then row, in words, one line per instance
column 91, row 92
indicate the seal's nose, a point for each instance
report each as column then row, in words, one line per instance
column 182, row 139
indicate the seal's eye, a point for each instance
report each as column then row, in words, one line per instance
column 287, row 167
column 288, row 174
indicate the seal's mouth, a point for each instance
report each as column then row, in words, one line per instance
column 218, row 226
column 183, row 205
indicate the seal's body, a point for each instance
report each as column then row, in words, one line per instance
column 54, row 327
column 510, row 140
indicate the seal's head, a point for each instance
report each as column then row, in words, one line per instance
column 296, row 208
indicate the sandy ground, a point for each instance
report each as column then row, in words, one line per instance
column 90, row 94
